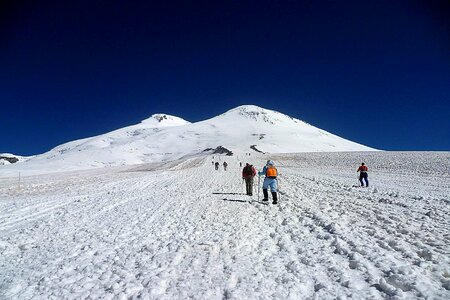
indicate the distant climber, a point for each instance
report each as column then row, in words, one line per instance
column 217, row 165
column 270, row 180
column 247, row 174
column 363, row 169
column 225, row 165
column 240, row 164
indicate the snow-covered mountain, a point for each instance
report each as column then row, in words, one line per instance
column 163, row 137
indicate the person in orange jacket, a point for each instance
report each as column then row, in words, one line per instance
column 247, row 174
column 363, row 169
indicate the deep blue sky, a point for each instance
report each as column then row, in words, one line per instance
column 376, row 72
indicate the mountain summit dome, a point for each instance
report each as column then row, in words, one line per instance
column 164, row 120
column 256, row 113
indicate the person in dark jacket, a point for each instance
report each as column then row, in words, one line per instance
column 363, row 169
column 247, row 174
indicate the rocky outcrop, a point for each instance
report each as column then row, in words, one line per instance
column 219, row 150
column 253, row 147
column 11, row 160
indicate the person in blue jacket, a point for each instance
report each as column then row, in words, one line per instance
column 270, row 181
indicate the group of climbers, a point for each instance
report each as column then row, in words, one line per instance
column 270, row 180
column 270, row 173
column 216, row 165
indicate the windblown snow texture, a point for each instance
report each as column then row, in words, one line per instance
column 180, row 229
column 163, row 138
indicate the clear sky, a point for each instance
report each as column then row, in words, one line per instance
column 375, row 72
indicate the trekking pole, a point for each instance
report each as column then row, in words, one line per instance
column 259, row 179
column 279, row 194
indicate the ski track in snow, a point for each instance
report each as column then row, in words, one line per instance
column 182, row 230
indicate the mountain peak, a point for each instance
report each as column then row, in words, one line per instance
column 164, row 120
column 247, row 109
column 256, row 113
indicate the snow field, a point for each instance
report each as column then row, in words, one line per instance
column 183, row 230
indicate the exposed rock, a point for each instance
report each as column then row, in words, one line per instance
column 9, row 159
column 254, row 148
column 161, row 117
column 219, row 150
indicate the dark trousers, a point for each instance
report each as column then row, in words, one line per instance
column 365, row 177
column 249, row 185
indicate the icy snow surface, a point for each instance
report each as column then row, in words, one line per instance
column 181, row 230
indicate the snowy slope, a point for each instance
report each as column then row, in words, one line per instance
column 180, row 230
column 271, row 132
column 130, row 145
column 162, row 138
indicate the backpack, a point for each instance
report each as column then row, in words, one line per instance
column 248, row 171
column 271, row 172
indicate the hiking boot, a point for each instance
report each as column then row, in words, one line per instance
column 266, row 195
column 275, row 198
